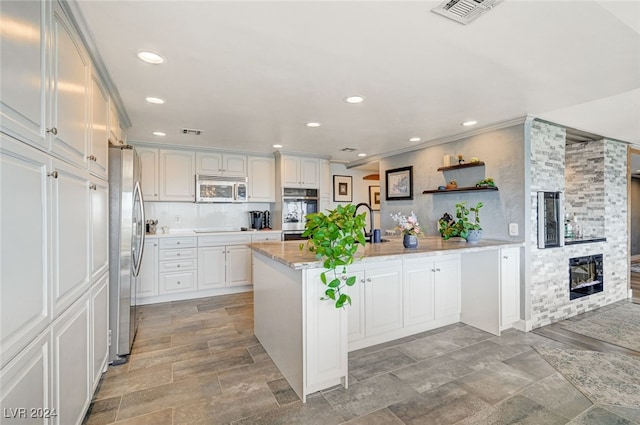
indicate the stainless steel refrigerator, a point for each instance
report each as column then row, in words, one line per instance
column 126, row 243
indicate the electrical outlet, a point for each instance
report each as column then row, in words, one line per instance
column 513, row 229
column 177, row 221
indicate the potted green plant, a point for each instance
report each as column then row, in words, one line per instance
column 463, row 227
column 334, row 238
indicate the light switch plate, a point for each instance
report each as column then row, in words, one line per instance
column 513, row 229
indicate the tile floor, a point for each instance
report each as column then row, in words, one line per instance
column 198, row 362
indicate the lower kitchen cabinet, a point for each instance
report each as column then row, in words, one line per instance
column 178, row 265
column 26, row 385
column 446, row 272
column 223, row 261
column 71, row 363
column 100, row 329
column 211, row 267
column 509, row 287
column 148, row 276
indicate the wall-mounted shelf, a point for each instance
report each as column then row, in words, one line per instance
column 461, row 189
column 457, row 167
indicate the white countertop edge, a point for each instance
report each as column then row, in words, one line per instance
column 191, row 232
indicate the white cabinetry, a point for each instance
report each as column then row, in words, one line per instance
column 178, row 265
column 298, row 171
column 149, row 163
column 266, row 237
column 177, row 175
column 325, row 185
column 24, row 259
column 376, row 301
column 71, row 230
column 24, row 100
column 99, row 228
column 148, row 286
column 446, row 273
column 219, row 164
column 100, row 329
column 224, row 261
column 262, row 179
column 71, row 365
column 509, row 287
column 69, row 98
column 99, row 142
column 115, row 131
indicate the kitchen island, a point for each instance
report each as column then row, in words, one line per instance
column 399, row 292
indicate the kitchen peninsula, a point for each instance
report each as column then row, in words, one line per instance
column 399, row 292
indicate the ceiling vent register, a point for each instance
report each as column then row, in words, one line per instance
column 464, row 11
column 191, row 131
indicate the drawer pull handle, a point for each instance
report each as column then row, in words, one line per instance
column 178, row 243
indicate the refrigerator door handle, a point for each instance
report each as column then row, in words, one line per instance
column 140, row 249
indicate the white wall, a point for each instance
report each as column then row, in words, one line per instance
column 360, row 188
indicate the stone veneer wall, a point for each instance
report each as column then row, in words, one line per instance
column 548, row 280
column 584, row 189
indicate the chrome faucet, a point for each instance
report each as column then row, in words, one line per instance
column 368, row 236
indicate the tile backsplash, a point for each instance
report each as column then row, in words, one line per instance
column 186, row 216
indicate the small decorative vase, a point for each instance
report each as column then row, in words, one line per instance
column 410, row 241
column 474, row 236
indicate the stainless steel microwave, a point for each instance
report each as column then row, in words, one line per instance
column 221, row 189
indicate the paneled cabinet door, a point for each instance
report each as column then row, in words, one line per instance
column 234, row 165
column 509, row 287
column 383, row 299
column 26, row 384
column 238, row 265
column 209, row 163
column 447, row 287
column 177, row 175
column 148, row 286
column 69, row 106
column 24, row 100
column 115, row 132
column 99, row 135
column 71, row 366
column 149, row 161
column 100, row 329
column 418, row 291
column 310, row 172
column 211, row 267
column 99, row 227
column 24, row 277
column 356, row 311
column 71, row 233
column 262, row 179
column 290, row 171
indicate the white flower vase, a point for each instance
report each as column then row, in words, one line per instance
column 410, row 241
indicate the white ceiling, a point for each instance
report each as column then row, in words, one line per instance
column 251, row 74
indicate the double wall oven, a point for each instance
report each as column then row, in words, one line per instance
column 296, row 204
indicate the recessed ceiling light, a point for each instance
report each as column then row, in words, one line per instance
column 159, row 133
column 469, row 123
column 362, row 154
column 313, row 124
column 354, row 99
column 155, row 100
column 151, row 57
column 277, row 146
column 415, row 139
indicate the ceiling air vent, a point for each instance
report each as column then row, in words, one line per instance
column 464, row 11
column 349, row 149
column 191, row 131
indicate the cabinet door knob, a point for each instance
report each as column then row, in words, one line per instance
column 505, row 257
column 178, row 254
column 437, row 270
column 178, row 282
column 178, row 243
column 178, row 266
column 362, row 280
column 93, row 186
column 433, row 270
column 368, row 279
column 53, row 174
column 53, row 131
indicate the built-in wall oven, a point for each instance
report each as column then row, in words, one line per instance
column 296, row 204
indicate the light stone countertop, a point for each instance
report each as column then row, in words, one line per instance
column 289, row 253
column 181, row 233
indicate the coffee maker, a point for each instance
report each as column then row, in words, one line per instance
column 260, row 219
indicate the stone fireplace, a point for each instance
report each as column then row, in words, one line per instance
column 585, row 276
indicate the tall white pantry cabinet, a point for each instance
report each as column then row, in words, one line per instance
column 54, row 217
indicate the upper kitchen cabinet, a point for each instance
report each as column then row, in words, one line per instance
column 99, row 137
column 115, row 131
column 69, row 96
column 177, row 175
column 23, row 66
column 149, row 161
column 298, row 171
column 221, row 164
column 262, row 179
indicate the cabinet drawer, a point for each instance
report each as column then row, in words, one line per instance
column 175, row 282
column 178, row 254
column 223, row 240
column 172, row 243
column 177, row 266
column 266, row 237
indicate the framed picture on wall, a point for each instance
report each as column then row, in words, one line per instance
column 399, row 183
column 374, row 197
column 342, row 189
